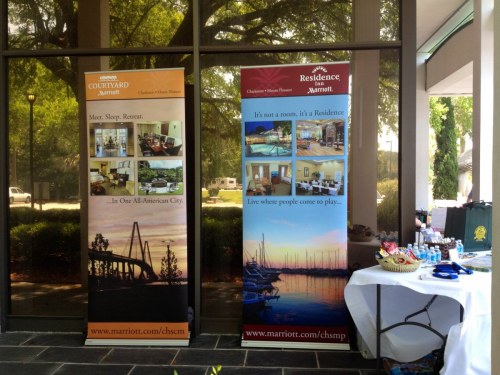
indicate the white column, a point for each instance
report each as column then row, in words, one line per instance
column 422, row 192
column 482, row 128
column 495, row 303
column 364, row 124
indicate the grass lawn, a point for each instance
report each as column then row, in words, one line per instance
column 228, row 196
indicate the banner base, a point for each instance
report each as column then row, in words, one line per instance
column 294, row 345
column 137, row 342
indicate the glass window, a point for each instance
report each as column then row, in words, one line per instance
column 149, row 23
column 42, row 25
column 389, row 20
column 266, row 23
column 114, row 23
column 257, row 22
column 45, row 243
column 388, row 146
column 222, row 254
column 44, row 163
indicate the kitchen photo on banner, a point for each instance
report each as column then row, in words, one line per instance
column 137, row 241
column 294, row 139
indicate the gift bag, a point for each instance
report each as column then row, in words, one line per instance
column 470, row 223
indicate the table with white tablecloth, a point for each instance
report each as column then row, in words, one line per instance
column 456, row 309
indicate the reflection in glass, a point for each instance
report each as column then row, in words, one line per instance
column 387, row 154
column 164, row 24
column 45, row 276
column 275, row 22
column 123, row 24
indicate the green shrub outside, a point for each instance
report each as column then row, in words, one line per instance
column 388, row 209
column 45, row 245
column 25, row 215
column 221, row 239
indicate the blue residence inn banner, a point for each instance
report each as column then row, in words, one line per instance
column 294, row 140
column 137, row 245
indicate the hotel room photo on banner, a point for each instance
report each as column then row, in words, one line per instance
column 271, row 178
column 294, row 130
column 320, row 137
column 159, row 138
column 112, row 177
column 111, row 139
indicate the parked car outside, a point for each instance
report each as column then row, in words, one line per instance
column 18, row 195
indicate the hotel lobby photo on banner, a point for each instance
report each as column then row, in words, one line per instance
column 137, row 245
column 294, row 139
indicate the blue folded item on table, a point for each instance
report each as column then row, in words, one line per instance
column 445, row 275
column 454, row 267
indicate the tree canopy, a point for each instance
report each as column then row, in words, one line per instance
column 445, row 158
column 52, row 24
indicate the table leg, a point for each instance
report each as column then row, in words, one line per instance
column 378, row 328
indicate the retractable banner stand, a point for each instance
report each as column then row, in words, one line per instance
column 294, row 135
column 137, row 245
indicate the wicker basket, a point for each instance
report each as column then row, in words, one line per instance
column 401, row 263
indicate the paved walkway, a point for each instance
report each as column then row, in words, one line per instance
column 64, row 353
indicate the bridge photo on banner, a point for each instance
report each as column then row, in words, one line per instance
column 137, row 245
column 294, row 140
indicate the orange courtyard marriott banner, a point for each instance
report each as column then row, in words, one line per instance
column 137, row 245
column 294, row 139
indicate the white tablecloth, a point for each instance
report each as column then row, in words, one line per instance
column 405, row 293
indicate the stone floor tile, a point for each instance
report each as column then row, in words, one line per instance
column 15, row 338
column 93, row 369
column 56, row 339
column 250, row 371
column 288, row 358
column 19, row 353
column 151, row 356
column 229, row 342
column 204, row 342
column 16, row 368
column 204, row 357
column 169, row 370
column 72, row 355
column 341, row 359
column 329, row 371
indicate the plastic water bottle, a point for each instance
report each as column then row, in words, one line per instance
column 438, row 254
column 460, row 248
column 423, row 255
column 430, row 255
column 434, row 256
column 416, row 252
column 421, row 251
